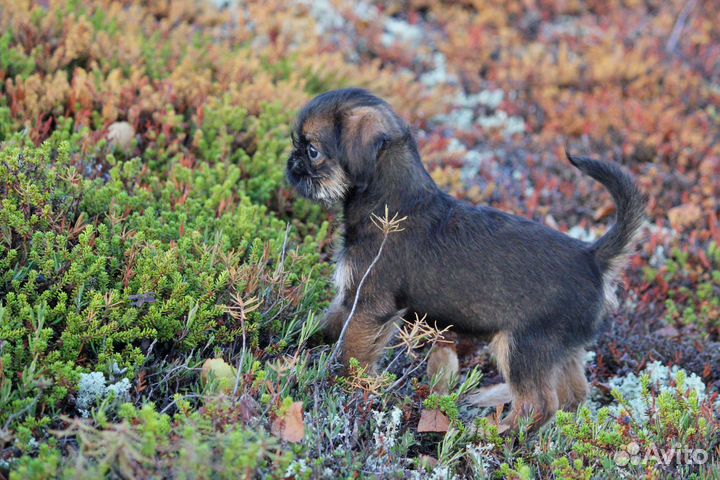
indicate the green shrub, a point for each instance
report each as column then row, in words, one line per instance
column 93, row 266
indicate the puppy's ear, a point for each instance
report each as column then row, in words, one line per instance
column 366, row 132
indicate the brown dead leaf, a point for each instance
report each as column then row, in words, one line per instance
column 290, row 427
column 684, row 216
column 140, row 385
column 433, row 421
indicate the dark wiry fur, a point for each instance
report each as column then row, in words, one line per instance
column 541, row 294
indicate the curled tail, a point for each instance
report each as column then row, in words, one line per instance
column 611, row 250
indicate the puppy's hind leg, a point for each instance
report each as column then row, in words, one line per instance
column 532, row 378
column 572, row 384
column 534, row 398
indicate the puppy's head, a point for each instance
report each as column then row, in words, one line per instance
column 338, row 139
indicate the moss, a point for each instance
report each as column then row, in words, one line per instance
column 445, row 403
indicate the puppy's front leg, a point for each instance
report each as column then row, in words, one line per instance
column 334, row 319
column 366, row 337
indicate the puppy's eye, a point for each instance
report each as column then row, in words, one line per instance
column 313, row 152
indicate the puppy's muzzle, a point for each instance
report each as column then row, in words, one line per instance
column 295, row 165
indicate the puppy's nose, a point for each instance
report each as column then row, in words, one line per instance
column 295, row 164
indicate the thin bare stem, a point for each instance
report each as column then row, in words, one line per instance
column 392, row 362
column 387, row 225
column 343, row 332
column 405, row 376
column 242, row 359
column 284, row 247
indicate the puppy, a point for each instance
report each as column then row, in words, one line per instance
column 539, row 294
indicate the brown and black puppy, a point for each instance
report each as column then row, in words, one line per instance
column 540, row 294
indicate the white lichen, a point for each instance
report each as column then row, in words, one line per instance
column 120, row 390
column 400, row 31
column 662, row 379
column 385, row 434
column 510, row 125
column 327, row 18
column 93, row 389
column 439, row 73
column 482, row 109
column 478, row 455
column 489, row 98
column 386, row 439
column 440, row 472
column 298, row 469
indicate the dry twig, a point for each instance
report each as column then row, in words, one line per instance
column 387, row 225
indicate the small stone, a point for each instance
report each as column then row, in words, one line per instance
column 120, row 135
column 221, row 371
column 668, row 331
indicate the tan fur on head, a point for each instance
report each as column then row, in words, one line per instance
column 365, row 123
column 366, row 130
column 313, row 128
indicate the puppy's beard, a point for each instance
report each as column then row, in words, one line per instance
column 330, row 189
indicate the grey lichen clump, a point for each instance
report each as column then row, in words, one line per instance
column 93, row 389
column 659, row 378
